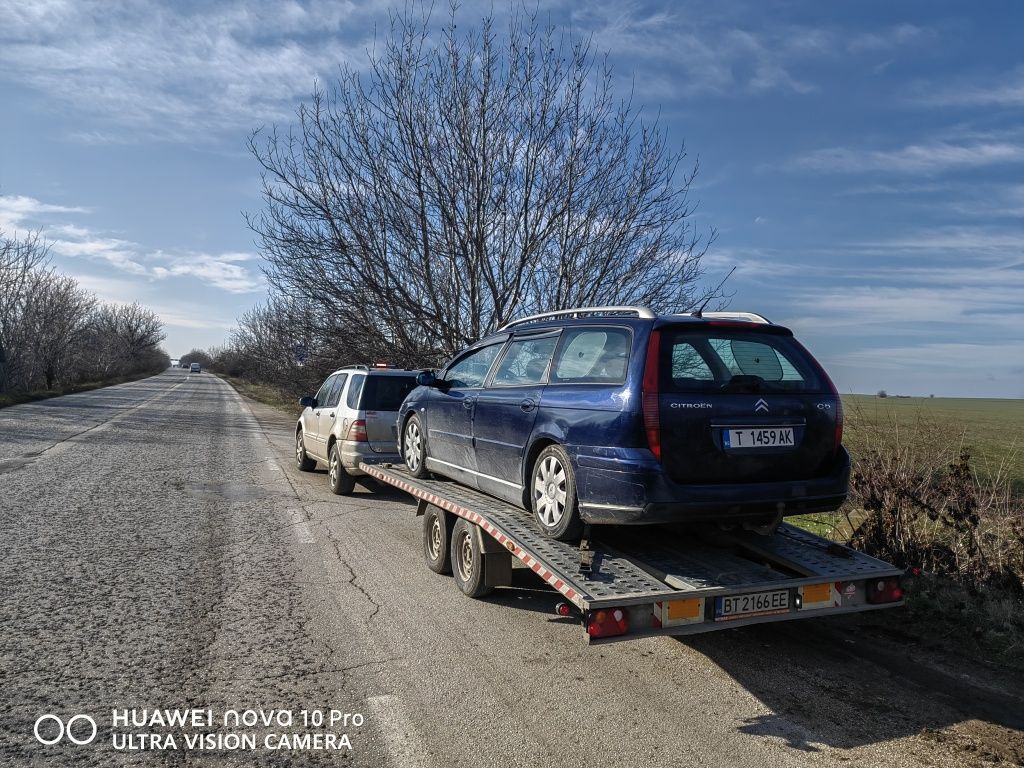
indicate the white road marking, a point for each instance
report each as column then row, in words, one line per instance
column 397, row 730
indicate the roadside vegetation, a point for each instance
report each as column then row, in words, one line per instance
column 56, row 337
column 920, row 498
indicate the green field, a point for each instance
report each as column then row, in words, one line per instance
column 992, row 431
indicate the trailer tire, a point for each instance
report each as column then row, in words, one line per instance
column 468, row 560
column 414, row 447
column 437, row 539
column 552, row 488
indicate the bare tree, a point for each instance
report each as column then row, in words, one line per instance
column 458, row 185
column 20, row 260
column 55, row 320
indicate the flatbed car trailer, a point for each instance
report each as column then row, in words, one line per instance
column 634, row 581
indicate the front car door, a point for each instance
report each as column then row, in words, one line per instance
column 450, row 417
column 328, row 412
column 311, row 418
column 506, row 410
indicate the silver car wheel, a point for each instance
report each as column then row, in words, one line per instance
column 549, row 491
column 413, row 445
column 334, row 467
column 300, row 449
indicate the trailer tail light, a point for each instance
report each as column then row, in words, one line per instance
column 357, row 431
column 607, row 622
column 649, row 398
column 884, row 590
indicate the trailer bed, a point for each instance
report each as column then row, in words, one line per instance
column 669, row 580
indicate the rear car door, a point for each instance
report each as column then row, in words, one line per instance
column 328, row 413
column 739, row 405
column 450, row 416
column 506, row 410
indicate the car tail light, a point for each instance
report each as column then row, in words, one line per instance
column 888, row 590
column 607, row 622
column 649, row 398
column 357, row 431
column 839, row 422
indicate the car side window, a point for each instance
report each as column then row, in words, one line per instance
column 592, row 356
column 525, row 362
column 325, row 388
column 335, row 392
column 355, row 389
column 471, row 370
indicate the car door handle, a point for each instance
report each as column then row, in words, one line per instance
column 468, row 403
column 331, row 414
column 527, row 405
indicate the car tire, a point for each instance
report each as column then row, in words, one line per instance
column 437, row 539
column 414, row 447
column 341, row 482
column 468, row 560
column 553, row 495
column 302, row 459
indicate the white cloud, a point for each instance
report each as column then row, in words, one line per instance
column 226, row 271
column 166, row 71
column 888, row 38
column 926, row 159
column 1004, row 90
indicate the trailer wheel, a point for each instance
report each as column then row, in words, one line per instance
column 414, row 447
column 437, row 539
column 468, row 560
column 553, row 495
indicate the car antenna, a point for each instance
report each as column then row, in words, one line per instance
column 712, row 294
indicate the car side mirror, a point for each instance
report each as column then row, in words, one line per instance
column 307, row 402
column 426, row 379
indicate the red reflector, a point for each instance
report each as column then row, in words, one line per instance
column 563, row 609
column 607, row 622
column 649, row 398
column 357, row 431
column 884, row 590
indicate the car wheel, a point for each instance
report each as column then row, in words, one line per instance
column 437, row 539
column 468, row 560
column 553, row 495
column 414, row 447
column 302, row 459
column 341, row 482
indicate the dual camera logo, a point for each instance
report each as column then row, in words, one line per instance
column 46, row 733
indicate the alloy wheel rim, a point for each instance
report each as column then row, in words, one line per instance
column 334, row 468
column 412, row 445
column 549, row 491
column 299, row 449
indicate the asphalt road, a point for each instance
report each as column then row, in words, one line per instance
column 161, row 550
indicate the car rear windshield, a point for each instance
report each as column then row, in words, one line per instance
column 734, row 360
column 385, row 393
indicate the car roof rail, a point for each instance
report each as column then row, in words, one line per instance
column 356, row 366
column 751, row 317
column 642, row 312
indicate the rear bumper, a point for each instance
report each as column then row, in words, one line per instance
column 639, row 492
column 354, row 453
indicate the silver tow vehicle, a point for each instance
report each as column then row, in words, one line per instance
column 351, row 421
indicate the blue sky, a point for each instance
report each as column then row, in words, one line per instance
column 863, row 163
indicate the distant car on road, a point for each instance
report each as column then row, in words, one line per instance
column 352, row 419
column 195, row 368
column 616, row 415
